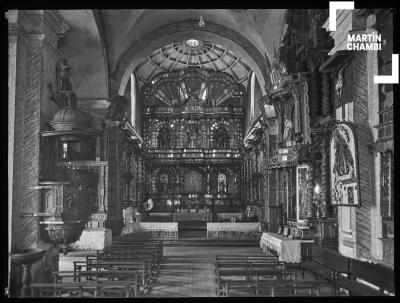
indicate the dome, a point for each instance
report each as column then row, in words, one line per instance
column 192, row 53
column 67, row 119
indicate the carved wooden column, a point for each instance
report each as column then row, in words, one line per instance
column 314, row 97
column 326, row 94
column 325, row 176
column 311, row 185
column 277, row 186
column 208, row 179
column 297, row 110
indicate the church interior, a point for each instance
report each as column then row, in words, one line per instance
column 199, row 153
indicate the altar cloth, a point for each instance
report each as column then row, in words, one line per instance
column 289, row 250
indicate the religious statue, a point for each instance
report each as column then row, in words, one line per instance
column 193, row 138
column 221, row 138
column 63, row 76
column 164, row 182
column 288, row 120
column 287, row 131
column 163, row 138
column 153, row 184
column 221, row 183
column 339, row 84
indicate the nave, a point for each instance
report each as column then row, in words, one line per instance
column 188, row 268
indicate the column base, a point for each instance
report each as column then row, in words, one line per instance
column 93, row 239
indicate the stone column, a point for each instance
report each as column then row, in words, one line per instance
column 32, row 60
column 13, row 33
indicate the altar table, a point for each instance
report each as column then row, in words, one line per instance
column 190, row 217
column 239, row 230
column 289, row 250
column 159, row 230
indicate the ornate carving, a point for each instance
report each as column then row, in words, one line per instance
column 386, row 184
column 163, row 138
column 343, row 166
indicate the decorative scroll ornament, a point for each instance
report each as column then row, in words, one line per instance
column 343, row 166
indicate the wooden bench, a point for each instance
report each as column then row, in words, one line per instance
column 327, row 264
column 134, row 251
column 106, row 289
column 240, row 269
column 155, row 243
column 271, row 287
column 99, row 276
column 115, row 265
column 375, row 274
column 125, row 255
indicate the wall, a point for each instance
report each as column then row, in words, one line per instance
column 35, row 67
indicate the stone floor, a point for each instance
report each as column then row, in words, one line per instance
column 186, row 271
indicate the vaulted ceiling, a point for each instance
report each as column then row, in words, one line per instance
column 192, row 53
column 100, row 43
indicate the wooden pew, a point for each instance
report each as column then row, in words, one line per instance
column 134, row 251
column 127, row 255
column 116, row 289
column 100, row 265
column 157, row 243
column 296, row 288
column 375, row 274
column 327, row 264
column 235, row 268
column 272, row 287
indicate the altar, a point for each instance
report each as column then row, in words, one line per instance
column 239, row 230
column 192, row 216
column 159, row 230
column 289, row 250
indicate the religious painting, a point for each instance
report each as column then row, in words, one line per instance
column 301, row 185
column 193, row 181
column 343, row 167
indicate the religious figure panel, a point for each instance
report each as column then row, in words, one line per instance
column 344, row 179
column 193, row 181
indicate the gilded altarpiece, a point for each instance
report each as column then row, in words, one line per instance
column 193, row 130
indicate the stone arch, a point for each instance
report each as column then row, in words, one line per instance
column 178, row 32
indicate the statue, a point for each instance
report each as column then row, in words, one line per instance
column 221, row 183
column 221, row 138
column 163, row 138
column 63, row 76
column 192, row 138
column 287, row 131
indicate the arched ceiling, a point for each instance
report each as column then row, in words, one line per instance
column 83, row 47
column 99, row 40
column 192, row 53
column 262, row 27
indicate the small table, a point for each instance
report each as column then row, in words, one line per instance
column 289, row 250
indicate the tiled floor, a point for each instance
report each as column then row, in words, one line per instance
column 187, row 271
